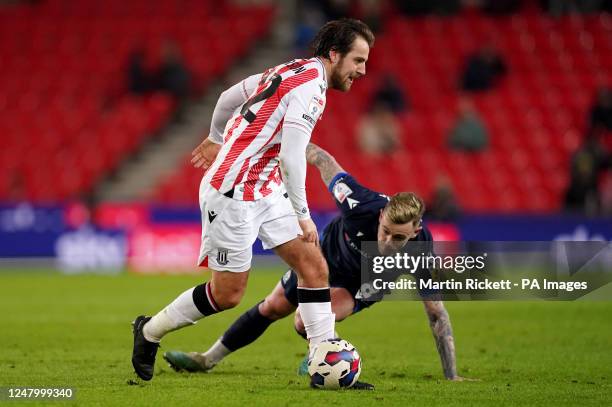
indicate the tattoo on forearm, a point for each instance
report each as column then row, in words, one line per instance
column 443, row 335
column 327, row 165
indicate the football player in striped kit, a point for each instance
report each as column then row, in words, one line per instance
column 255, row 187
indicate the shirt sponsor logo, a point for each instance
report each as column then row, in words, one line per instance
column 316, row 106
column 309, row 119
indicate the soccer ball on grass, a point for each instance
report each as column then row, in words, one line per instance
column 334, row 364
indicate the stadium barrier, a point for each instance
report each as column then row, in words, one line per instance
column 149, row 239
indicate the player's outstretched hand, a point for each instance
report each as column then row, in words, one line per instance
column 204, row 154
column 309, row 231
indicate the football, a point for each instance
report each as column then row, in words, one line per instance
column 335, row 363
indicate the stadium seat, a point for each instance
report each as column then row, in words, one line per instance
column 62, row 81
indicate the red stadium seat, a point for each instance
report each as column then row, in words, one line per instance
column 61, row 82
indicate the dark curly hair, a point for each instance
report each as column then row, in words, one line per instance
column 338, row 35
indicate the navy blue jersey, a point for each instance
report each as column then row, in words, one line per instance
column 358, row 222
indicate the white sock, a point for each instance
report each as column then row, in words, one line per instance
column 181, row 312
column 217, row 352
column 319, row 321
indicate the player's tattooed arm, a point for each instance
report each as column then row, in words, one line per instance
column 324, row 161
column 439, row 322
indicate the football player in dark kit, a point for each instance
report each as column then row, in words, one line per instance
column 365, row 216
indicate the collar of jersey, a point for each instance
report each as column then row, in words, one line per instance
column 324, row 71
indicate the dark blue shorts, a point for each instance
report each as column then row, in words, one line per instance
column 289, row 281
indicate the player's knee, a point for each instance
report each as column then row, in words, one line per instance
column 320, row 269
column 270, row 308
column 228, row 298
column 310, row 255
column 314, row 271
column 229, row 302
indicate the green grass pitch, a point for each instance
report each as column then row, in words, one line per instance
column 58, row 330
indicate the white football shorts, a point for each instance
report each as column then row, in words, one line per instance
column 230, row 227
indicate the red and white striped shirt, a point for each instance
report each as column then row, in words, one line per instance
column 288, row 95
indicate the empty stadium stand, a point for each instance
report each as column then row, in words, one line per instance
column 66, row 119
column 535, row 118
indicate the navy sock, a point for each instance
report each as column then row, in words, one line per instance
column 250, row 326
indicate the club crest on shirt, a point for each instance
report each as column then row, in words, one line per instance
column 342, row 191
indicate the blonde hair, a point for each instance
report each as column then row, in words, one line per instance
column 405, row 207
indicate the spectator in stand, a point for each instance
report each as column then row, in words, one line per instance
column 173, row 76
column 422, row 7
column 559, row 7
column 468, row 133
column 310, row 19
column 601, row 111
column 335, row 9
column 606, row 195
column 443, row 206
column 139, row 80
column 389, row 94
column 370, row 12
column 483, row 70
column 587, row 164
column 379, row 131
column 312, row 14
column 501, row 7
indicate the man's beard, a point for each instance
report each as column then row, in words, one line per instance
column 337, row 81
